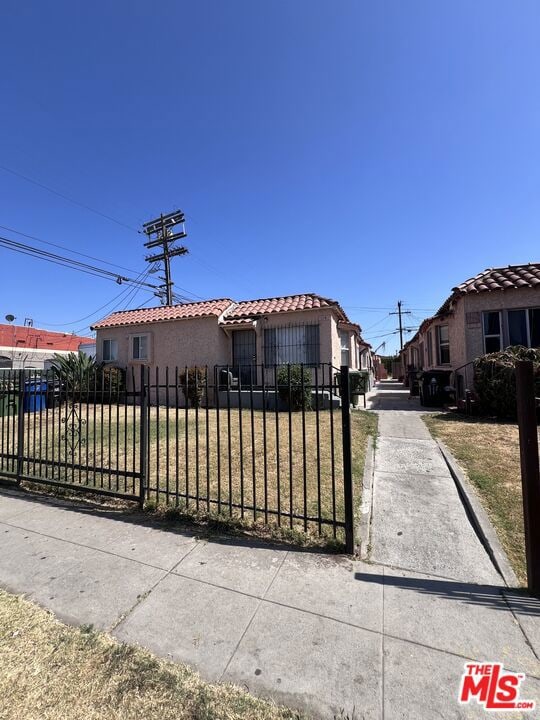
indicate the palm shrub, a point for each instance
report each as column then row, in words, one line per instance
column 193, row 382
column 294, row 386
column 82, row 377
column 495, row 379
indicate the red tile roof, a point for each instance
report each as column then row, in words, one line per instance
column 288, row 303
column 186, row 311
column 511, row 277
column 19, row 336
column 233, row 313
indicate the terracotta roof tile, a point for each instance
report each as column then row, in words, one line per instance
column 289, row 303
column 504, row 278
column 234, row 313
column 162, row 314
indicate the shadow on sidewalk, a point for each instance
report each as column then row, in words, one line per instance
column 183, row 526
column 469, row 593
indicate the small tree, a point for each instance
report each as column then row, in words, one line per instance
column 294, row 386
column 193, row 384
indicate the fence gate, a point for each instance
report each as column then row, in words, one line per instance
column 78, row 432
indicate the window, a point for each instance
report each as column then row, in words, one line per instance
column 524, row 327
column 139, row 347
column 296, row 344
column 429, row 343
column 492, row 332
column 443, row 345
column 109, row 351
column 345, row 347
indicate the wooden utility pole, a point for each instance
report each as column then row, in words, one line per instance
column 399, row 313
column 163, row 232
column 530, row 472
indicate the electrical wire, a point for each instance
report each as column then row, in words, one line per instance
column 126, row 290
column 67, row 262
column 69, row 199
column 63, row 247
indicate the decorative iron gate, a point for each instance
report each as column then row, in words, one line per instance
column 80, row 432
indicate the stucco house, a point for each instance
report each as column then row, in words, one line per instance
column 497, row 308
column 307, row 328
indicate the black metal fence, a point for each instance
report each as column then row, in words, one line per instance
column 273, row 450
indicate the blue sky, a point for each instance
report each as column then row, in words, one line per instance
column 369, row 152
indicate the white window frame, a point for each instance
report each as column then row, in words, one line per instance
column 429, row 348
column 492, row 335
column 132, row 339
column 112, row 356
column 440, row 344
column 345, row 347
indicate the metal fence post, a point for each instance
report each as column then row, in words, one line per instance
column 20, row 428
column 347, row 458
column 143, row 461
column 530, row 474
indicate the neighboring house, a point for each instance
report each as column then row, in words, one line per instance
column 498, row 308
column 23, row 347
column 307, row 329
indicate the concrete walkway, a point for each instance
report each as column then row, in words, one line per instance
column 384, row 639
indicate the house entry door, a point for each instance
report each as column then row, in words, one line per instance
column 245, row 355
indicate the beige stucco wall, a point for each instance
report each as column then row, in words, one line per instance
column 466, row 330
column 512, row 299
column 198, row 341
column 201, row 341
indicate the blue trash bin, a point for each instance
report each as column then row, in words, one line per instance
column 35, row 397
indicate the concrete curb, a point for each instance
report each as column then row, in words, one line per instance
column 480, row 519
column 364, row 524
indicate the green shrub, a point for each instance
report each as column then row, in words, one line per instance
column 84, row 379
column 193, row 384
column 297, row 395
column 495, row 379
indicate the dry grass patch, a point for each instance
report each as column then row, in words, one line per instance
column 217, row 462
column 489, row 453
column 53, row 672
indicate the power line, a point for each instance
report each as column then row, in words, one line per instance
column 63, row 247
column 68, row 262
column 69, row 199
column 125, row 291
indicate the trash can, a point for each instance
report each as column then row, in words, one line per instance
column 434, row 387
column 414, row 388
column 35, row 393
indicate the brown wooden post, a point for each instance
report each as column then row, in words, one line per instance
column 530, row 473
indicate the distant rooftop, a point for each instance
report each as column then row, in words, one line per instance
column 19, row 336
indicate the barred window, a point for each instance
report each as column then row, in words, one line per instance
column 293, row 344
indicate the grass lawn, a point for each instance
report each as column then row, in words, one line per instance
column 258, row 462
column 489, row 453
column 53, row 672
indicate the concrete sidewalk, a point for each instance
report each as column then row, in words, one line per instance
column 316, row 632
